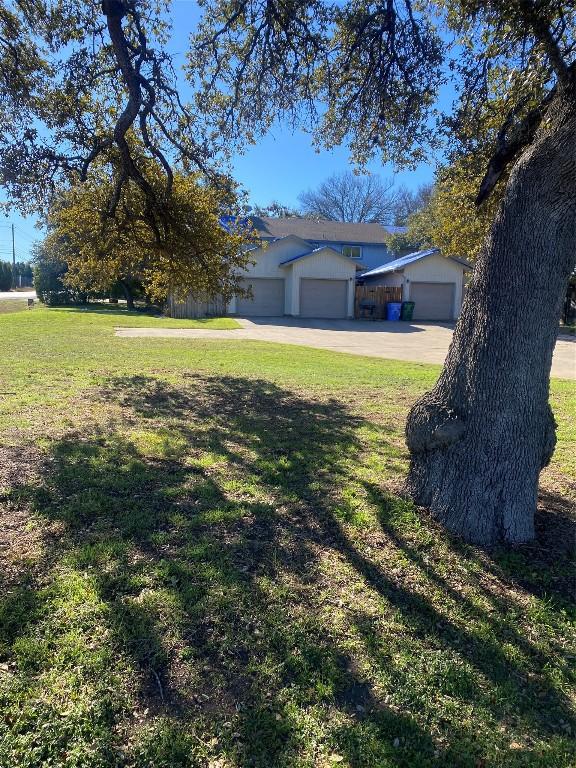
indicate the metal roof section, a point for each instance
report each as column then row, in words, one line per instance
column 403, row 261
column 398, row 264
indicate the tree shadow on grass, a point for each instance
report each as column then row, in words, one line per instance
column 225, row 552
column 491, row 606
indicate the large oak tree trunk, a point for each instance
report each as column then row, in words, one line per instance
column 480, row 437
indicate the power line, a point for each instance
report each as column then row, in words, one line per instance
column 26, row 235
column 18, row 243
column 21, row 231
column 25, row 232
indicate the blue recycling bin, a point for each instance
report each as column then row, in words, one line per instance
column 393, row 309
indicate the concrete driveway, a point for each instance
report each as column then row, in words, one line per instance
column 420, row 343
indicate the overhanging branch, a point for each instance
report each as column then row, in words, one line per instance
column 510, row 146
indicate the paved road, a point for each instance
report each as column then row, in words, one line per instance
column 17, row 295
column 396, row 341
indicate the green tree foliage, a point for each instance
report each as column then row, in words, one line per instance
column 363, row 73
column 451, row 220
column 367, row 73
column 196, row 254
column 450, row 217
column 5, row 276
column 49, row 276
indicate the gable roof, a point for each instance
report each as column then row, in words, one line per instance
column 399, row 264
column 278, row 240
column 323, row 229
column 316, row 251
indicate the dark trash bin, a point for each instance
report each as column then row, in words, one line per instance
column 407, row 310
column 368, row 309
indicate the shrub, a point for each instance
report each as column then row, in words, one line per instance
column 48, row 274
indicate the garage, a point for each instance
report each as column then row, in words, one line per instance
column 323, row 298
column 433, row 301
column 267, row 298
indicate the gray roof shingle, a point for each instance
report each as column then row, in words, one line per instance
column 322, row 229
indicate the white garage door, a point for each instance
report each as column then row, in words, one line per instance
column 267, row 298
column 323, row 298
column 433, row 301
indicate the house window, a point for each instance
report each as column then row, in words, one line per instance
column 352, row 251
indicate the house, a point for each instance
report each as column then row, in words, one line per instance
column 434, row 283
column 304, row 268
column 309, row 268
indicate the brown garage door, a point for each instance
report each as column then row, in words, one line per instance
column 433, row 301
column 323, row 298
column 267, row 298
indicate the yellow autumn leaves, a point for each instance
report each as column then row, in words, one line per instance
column 188, row 251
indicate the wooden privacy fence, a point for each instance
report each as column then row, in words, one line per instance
column 378, row 295
column 194, row 307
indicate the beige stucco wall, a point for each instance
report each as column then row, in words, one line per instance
column 324, row 264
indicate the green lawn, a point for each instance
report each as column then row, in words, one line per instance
column 205, row 562
column 111, row 315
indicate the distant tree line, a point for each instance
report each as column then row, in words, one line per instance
column 18, row 275
column 5, row 276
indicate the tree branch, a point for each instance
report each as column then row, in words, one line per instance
column 543, row 34
column 509, row 147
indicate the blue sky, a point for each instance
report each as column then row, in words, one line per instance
column 284, row 163
column 280, row 167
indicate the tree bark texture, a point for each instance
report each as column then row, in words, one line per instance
column 479, row 439
column 127, row 295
